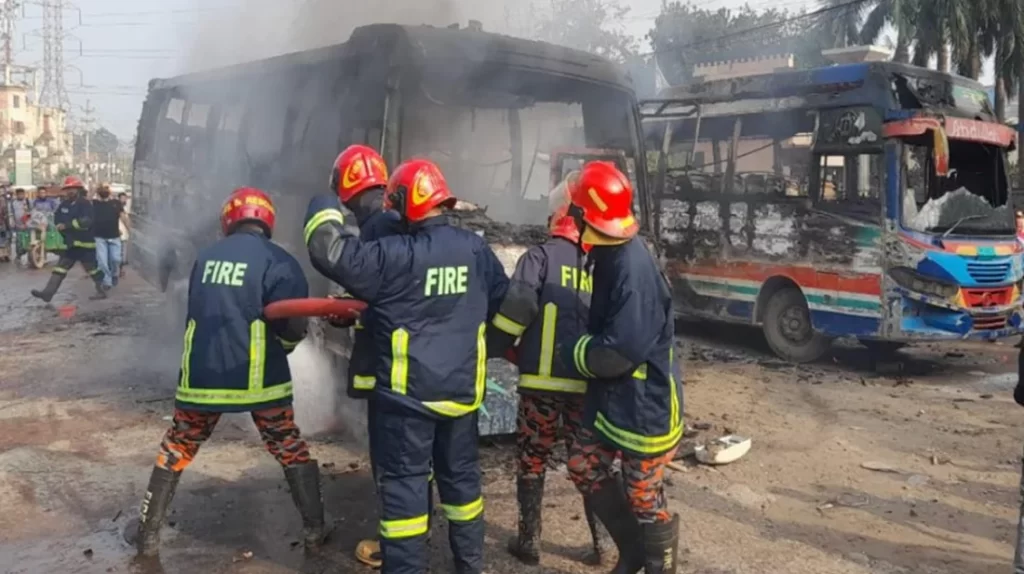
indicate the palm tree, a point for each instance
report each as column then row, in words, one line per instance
column 1002, row 36
column 884, row 12
column 844, row 25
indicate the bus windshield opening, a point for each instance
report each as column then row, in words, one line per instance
column 972, row 199
column 495, row 141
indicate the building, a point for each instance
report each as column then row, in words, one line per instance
column 26, row 125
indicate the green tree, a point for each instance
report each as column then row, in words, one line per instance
column 591, row 25
column 1002, row 37
column 685, row 34
column 901, row 15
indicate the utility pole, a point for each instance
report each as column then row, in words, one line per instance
column 87, row 132
column 7, row 18
column 54, row 94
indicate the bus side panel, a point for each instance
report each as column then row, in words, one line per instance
column 720, row 265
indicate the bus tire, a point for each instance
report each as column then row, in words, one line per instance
column 788, row 329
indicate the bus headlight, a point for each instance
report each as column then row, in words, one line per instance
column 913, row 281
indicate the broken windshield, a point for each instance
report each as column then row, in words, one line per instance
column 495, row 145
column 972, row 200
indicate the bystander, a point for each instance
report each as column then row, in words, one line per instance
column 125, row 227
column 106, row 226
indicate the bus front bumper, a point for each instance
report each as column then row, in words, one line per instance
column 922, row 319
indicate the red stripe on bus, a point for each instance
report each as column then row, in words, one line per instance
column 861, row 283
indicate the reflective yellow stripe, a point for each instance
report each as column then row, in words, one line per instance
column 364, row 382
column 75, row 224
column 186, row 353
column 321, row 218
column 580, row 356
column 400, row 361
column 454, row 409
column 539, row 383
column 464, row 512
column 84, row 244
column 288, row 345
column 257, row 354
column 547, row 340
column 358, row 324
column 234, row 397
column 404, row 528
column 60, row 271
column 95, row 272
column 508, row 325
column 640, row 373
column 648, row 444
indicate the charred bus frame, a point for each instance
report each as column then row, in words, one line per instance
column 277, row 124
column 833, row 252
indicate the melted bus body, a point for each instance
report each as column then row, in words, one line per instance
column 864, row 200
column 501, row 116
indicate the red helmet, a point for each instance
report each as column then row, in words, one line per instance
column 605, row 196
column 357, row 169
column 417, row 187
column 248, row 204
column 563, row 225
column 72, row 181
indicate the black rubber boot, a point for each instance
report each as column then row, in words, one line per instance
column 156, row 502
column 51, row 288
column 610, row 506
column 600, row 541
column 661, row 544
column 101, row 292
column 304, row 481
column 526, row 546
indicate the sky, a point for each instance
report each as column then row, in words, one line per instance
column 114, row 47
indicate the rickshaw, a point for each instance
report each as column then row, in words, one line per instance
column 39, row 237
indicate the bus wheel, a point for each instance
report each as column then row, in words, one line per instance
column 787, row 327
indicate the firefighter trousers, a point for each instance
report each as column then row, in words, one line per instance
column 405, row 446
column 85, row 256
column 542, row 417
column 592, row 466
column 191, row 429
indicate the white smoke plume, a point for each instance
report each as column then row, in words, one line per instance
column 266, row 28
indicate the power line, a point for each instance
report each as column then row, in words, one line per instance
column 739, row 33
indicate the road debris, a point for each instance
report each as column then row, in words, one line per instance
column 879, row 467
column 247, row 555
column 723, row 450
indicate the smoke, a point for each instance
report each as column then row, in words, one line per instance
column 268, row 28
column 316, row 390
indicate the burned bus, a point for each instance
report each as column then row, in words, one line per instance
column 504, row 118
column 866, row 200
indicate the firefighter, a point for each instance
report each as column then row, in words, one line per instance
column 234, row 360
column 74, row 220
column 550, row 396
column 433, row 289
column 634, row 396
column 360, row 177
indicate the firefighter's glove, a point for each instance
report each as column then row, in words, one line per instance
column 593, row 363
column 322, row 209
column 341, row 322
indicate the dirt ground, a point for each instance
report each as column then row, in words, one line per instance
column 84, row 402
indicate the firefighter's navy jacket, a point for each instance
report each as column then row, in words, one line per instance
column 62, row 216
column 233, row 360
column 554, row 274
column 361, row 366
column 76, row 216
column 640, row 410
column 433, row 290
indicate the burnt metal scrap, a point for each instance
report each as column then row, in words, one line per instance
column 475, row 218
